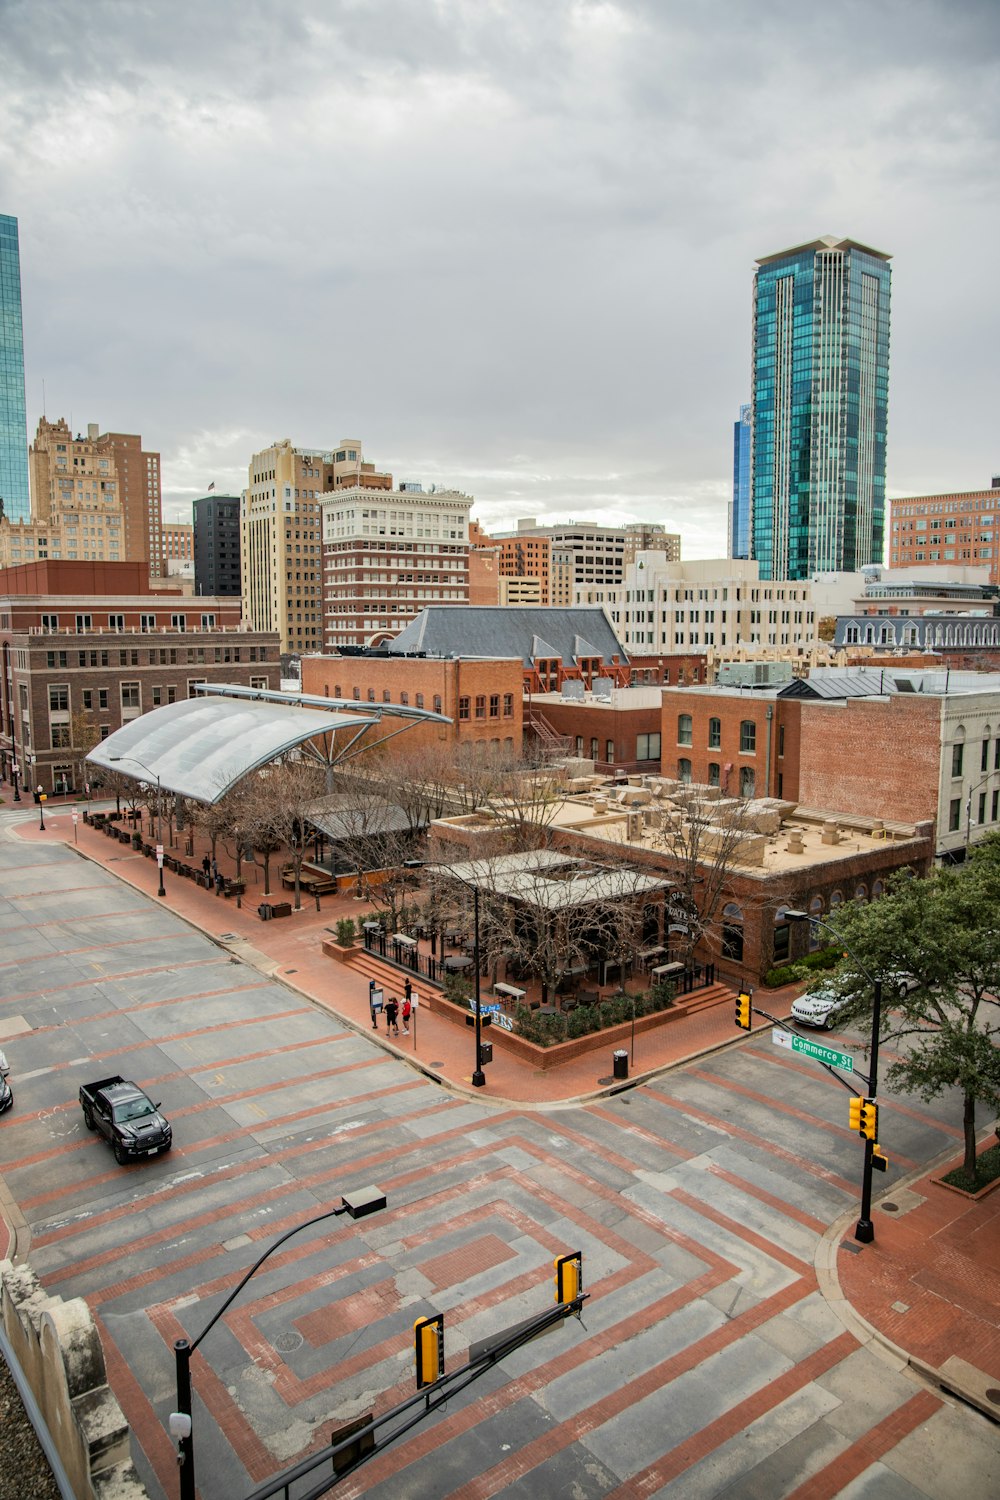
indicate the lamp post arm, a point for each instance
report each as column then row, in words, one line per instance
column 330, row 1214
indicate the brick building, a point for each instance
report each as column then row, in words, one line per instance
column 940, row 531
column 87, row 646
column 619, row 731
column 482, row 697
column 747, row 744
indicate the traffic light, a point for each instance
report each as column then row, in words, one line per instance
column 743, row 1010
column 863, row 1117
column 569, row 1277
column 428, row 1343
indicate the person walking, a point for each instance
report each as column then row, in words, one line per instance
column 407, row 1008
column 407, row 989
column 206, row 869
column 392, row 1016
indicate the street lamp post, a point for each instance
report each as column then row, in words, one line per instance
column 359, row 1204
column 15, row 772
column 479, row 1076
column 864, row 1229
column 161, row 891
column 41, row 810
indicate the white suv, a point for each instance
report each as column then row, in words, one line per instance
column 821, row 1007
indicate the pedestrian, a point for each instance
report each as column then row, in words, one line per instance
column 392, row 1016
column 407, row 1008
column 407, row 991
column 219, row 881
column 206, row 866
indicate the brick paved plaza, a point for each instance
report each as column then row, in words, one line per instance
column 709, row 1360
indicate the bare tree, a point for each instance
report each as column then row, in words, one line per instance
column 290, row 790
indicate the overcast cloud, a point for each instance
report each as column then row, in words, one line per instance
column 508, row 244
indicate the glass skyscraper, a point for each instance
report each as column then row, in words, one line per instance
column 13, row 418
column 819, row 406
column 739, row 511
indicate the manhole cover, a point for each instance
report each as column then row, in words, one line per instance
column 603, row 1081
column 435, row 1065
column 291, row 971
column 890, row 1208
column 287, row 1343
column 992, row 1394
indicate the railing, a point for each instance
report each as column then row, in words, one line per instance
column 408, row 960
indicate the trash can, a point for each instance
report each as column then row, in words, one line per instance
column 264, row 911
column 621, row 1064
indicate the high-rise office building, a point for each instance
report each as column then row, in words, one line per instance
column 13, row 419
column 217, row 544
column 739, row 511
column 819, row 404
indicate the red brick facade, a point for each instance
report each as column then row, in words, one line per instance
column 482, row 698
column 879, row 757
column 744, row 743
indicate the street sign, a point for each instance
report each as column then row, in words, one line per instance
column 828, row 1055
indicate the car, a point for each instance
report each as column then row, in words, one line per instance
column 821, row 1007
column 818, row 1008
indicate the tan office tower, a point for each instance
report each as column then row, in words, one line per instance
column 281, row 535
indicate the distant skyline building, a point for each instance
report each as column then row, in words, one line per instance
column 217, row 545
column 819, row 408
column 739, row 510
column 13, row 415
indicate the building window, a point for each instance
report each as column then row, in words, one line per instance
column 684, row 729
column 713, row 773
column 371, row 695
column 732, row 933
column 683, row 769
column 463, row 708
column 404, row 699
column 58, row 697
column 609, row 752
column 208, row 622
column 494, row 705
column 84, row 623
column 595, row 753
column 995, row 807
column 647, row 747
column 984, row 763
column 147, row 623
column 715, row 734
column 748, row 737
column 579, row 747
column 437, row 703
column 60, row 736
column 130, row 695
column 386, row 695
column 957, row 756
column 480, row 705
column 508, row 705
column 420, row 700
column 781, row 739
column 50, row 622
column 178, row 622
column 116, row 622
column 193, row 684
column 102, row 697
column 954, row 814
column 982, row 808
column 748, row 781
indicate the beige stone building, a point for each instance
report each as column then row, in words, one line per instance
column 281, row 535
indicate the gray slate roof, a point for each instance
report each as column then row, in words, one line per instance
column 528, row 633
column 865, row 684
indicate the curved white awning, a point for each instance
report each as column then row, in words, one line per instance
column 201, row 747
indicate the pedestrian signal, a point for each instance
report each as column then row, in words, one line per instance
column 569, row 1277
column 879, row 1159
column 743, row 1010
column 428, row 1342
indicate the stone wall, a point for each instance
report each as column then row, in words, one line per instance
column 57, row 1345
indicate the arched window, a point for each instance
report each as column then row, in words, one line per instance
column 683, row 770
column 837, row 899
column 386, row 695
column 748, row 781
column 732, row 932
column 782, row 936
column 861, row 893
column 684, row 729
column 877, row 889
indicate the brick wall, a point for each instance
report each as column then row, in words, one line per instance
column 421, row 682
column 879, row 757
column 775, row 774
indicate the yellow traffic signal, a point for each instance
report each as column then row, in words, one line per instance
column 743, row 1010
column 879, row 1159
column 428, row 1342
column 569, row 1277
column 854, row 1114
column 869, row 1119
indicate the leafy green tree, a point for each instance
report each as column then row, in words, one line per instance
column 941, row 932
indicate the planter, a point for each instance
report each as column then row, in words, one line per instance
column 342, row 952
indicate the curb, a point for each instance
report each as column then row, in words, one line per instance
column 967, row 1388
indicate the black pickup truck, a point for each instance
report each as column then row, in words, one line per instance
column 127, row 1119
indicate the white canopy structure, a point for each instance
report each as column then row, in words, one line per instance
column 201, row 747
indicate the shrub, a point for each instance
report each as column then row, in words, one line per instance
column 345, row 931
column 825, row 958
column 662, row 996
column 457, row 989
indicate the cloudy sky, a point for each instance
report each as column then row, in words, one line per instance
column 508, row 244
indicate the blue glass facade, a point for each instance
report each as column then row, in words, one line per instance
column 13, row 418
column 820, row 401
column 739, row 515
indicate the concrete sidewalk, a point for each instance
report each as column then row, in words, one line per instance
column 927, row 1290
